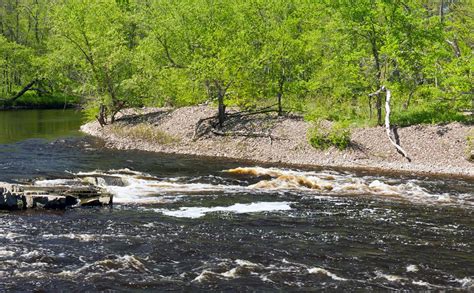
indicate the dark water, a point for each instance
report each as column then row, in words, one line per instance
column 194, row 227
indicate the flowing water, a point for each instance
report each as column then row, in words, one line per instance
column 185, row 223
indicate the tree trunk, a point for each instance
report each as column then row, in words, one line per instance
column 220, row 90
column 23, row 91
column 102, row 116
column 221, row 109
column 279, row 95
column 441, row 11
column 280, row 110
column 375, row 53
column 387, row 124
column 378, row 105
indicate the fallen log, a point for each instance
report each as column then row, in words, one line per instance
column 245, row 134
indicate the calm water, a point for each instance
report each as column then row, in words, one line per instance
column 192, row 224
column 47, row 124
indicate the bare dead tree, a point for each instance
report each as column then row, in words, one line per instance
column 388, row 129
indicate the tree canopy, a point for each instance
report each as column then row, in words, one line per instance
column 322, row 58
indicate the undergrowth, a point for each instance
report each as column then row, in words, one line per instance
column 470, row 146
column 428, row 115
column 415, row 114
column 337, row 135
column 144, row 132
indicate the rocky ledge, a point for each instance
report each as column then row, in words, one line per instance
column 20, row 197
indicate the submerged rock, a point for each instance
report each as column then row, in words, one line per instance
column 19, row 197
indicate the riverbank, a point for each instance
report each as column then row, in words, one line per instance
column 434, row 149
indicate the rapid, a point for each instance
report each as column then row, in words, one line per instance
column 187, row 223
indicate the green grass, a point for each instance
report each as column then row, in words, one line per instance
column 143, row 131
column 416, row 114
column 431, row 115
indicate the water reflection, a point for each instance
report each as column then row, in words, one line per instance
column 48, row 124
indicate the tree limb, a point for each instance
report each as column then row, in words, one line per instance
column 22, row 91
column 167, row 52
column 244, row 133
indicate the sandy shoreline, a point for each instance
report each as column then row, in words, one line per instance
column 434, row 149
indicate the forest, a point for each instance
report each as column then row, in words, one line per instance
column 321, row 59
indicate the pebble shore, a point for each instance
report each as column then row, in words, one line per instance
column 433, row 149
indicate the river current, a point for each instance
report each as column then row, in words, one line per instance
column 200, row 224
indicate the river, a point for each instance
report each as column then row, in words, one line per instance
column 187, row 223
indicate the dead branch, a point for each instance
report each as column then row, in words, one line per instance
column 250, row 113
column 388, row 129
column 196, row 135
column 213, row 123
column 243, row 133
column 454, row 45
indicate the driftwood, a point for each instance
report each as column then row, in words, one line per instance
column 388, row 129
column 250, row 113
column 246, row 134
column 196, row 134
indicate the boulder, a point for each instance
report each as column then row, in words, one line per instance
column 11, row 197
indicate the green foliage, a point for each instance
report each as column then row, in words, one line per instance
column 15, row 65
column 428, row 115
column 337, row 135
column 318, row 57
column 33, row 100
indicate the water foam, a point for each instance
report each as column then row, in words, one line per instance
column 136, row 187
column 114, row 265
column 412, row 268
column 346, row 184
column 325, row 272
column 255, row 207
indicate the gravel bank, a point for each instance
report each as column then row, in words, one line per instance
column 434, row 149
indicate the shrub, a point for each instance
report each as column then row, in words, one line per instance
column 338, row 135
column 470, row 146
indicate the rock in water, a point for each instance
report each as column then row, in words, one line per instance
column 18, row 197
column 11, row 197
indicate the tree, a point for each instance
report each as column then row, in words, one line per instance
column 16, row 68
column 395, row 34
column 280, row 62
column 91, row 49
column 203, row 42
